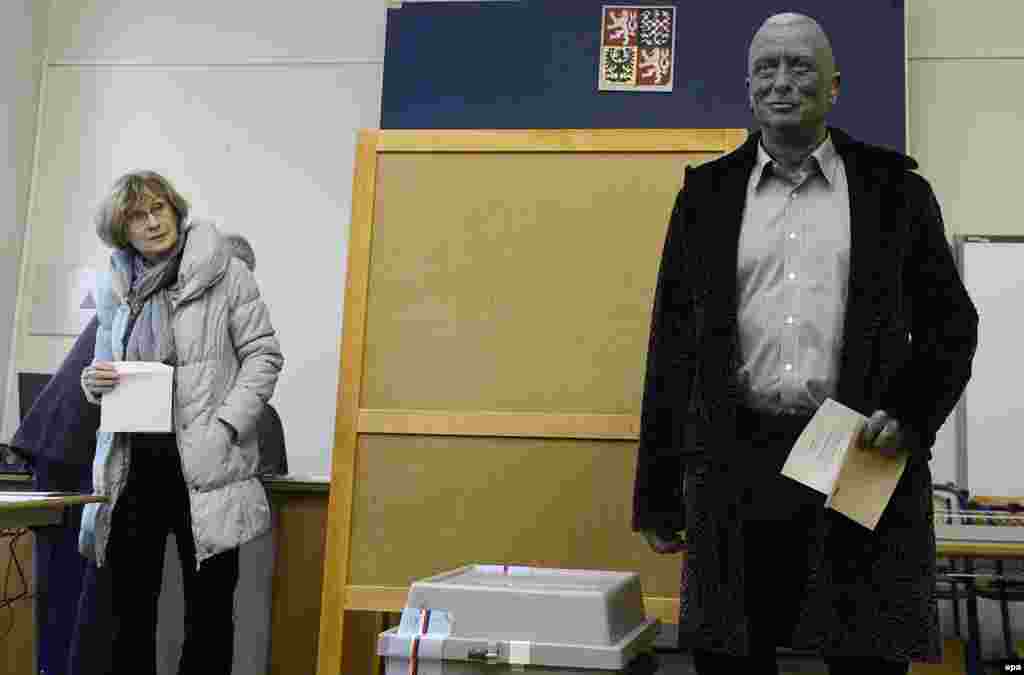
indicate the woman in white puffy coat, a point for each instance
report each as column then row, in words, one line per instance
column 176, row 295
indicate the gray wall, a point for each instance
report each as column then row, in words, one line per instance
column 22, row 45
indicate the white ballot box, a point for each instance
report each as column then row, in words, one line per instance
column 141, row 401
column 500, row 619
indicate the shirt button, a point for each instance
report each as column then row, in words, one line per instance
column 789, row 320
column 792, row 235
column 791, row 276
column 788, row 367
column 793, row 195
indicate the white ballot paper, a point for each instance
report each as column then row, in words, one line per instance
column 858, row 482
column 141, row 401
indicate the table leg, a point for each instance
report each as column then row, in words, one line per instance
column 973, row 652
column 954, row 592
column 1004, row 609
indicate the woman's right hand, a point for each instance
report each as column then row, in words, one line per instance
column 100, row 378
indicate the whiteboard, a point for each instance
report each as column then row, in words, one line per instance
column 946, row 452
column 993, row 407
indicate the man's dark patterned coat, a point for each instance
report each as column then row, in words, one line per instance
column 909, row 337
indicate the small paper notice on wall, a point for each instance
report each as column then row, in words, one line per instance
column 637, row 48
column 141, row 401
column 63, row 299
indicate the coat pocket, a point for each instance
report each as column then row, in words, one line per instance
column 213, row 459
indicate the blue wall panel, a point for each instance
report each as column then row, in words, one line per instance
column 533, row 64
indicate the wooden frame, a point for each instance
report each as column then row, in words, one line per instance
column 352, row 422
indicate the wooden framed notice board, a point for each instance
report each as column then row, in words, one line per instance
column 497, row 312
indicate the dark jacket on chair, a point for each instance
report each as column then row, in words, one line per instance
column 273, row 457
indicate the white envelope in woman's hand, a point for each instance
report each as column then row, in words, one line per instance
column 141, row 401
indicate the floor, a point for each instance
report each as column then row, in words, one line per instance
column 682, row 664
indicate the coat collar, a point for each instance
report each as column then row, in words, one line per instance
column 848, row 148
column 824, row 160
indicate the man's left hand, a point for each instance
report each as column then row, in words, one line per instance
column 883, row 433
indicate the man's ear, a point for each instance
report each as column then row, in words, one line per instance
column 835, row 86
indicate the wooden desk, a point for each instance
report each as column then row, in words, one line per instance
column 36, row 509
column 300, row 508
column 20, row 510
column 301, row 513
column 981, row 550
column 983, row 500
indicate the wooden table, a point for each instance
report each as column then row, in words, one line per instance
column 36, row 509
column 20, row 510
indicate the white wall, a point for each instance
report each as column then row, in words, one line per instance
column 251, row 109
column 22, row 43
column 967, row 123
column 966, row 115
column 967, row 110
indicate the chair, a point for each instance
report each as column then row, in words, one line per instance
column 947, row 498
column 273, row 456
column 1001, row 587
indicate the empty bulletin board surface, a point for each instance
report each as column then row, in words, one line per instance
column 992, row 406
column 496, row 321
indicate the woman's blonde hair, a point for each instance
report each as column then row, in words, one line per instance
column 124, row 198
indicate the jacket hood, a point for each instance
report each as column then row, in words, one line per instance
column 204, row 262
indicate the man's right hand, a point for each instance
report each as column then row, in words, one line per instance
column 664, row 542
column 100, row 378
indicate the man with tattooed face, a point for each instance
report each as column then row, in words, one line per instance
column 803, row 266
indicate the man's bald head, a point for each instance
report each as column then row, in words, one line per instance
column 790, row 24
column 792, row 80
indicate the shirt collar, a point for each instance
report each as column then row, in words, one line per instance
column 825, row 156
